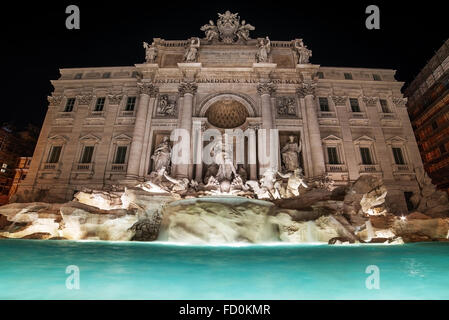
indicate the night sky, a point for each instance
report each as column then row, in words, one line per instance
column 35, row 42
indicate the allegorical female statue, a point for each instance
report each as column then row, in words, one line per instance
column 191, row 54
column 161, row 156
column 304, row 54
column 263, row 52
column 150, row 52
column 290, row 154
column 210, row 30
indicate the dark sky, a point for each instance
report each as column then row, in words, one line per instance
column 35, row 42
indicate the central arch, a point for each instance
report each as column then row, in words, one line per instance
column 225, row 98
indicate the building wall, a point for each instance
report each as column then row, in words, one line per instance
column 239, row 80
column 428, row 106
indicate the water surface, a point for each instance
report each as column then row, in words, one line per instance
column 33, row 269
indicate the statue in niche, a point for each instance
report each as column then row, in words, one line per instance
column 290, row 154
column 191, row 54
column 162, row 155
column 166, row 107
column 304, row 54
column 210, row 30
column 243, row 31
column 264, row 49
column 226, row 169
column 287, row 106
column 150, row 52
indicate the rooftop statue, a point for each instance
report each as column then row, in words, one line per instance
column 264, row 49
column 191, row 54
column 150, row 52
column 228, row 29
column 303, row 52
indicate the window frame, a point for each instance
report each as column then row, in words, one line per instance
column 327, row 104
column 68, row 105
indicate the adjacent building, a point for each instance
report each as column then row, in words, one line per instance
column 13, row 145
column 428, row 106
column 103, row 124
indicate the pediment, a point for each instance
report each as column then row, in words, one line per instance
column 90, row 137
column 58, row 137
column 331, row 138
column 396, row 139
column 123, row 137
column 363, row 139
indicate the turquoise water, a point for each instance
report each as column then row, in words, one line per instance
column 31, row 269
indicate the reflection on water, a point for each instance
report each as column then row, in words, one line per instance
column 131, row 270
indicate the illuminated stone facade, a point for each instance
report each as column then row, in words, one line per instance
column 103, row 124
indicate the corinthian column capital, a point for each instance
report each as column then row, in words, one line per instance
column 148, row 89
column 306, row 88
column 187, row 87
column 266, row 88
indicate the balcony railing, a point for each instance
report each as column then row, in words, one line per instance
column 49, row 166
column 84, row 166
column 401, row 168
column 368, row 168
column 336, row 168
column 118, row 167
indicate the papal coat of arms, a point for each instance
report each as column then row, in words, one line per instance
column 229, row 29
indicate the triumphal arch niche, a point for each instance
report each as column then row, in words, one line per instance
column 228, row 82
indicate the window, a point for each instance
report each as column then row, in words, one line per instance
column 434, row 125
column 120, row 155
column 55, row 153
column 366, row 156
column 332, row 155
column 106, row 75
column 320, row 75
column 354, row 105
column 23, row 177
column 443, row 149
column 69, row 105
column 130, row 104
column 100, row 104
column 324, row 104
column 78, row 76
column 384, row 106
column 87, row 154
column 376, row 77
column 398, row 157
column 348, row 76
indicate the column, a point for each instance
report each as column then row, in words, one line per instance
column 265, row 91
column 198, row 151
column 147, row 90
column 307, row 92
column 186, row 90
column 252, row 152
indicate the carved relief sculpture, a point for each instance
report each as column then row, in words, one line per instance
column 166, row 107
column 286, row 106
